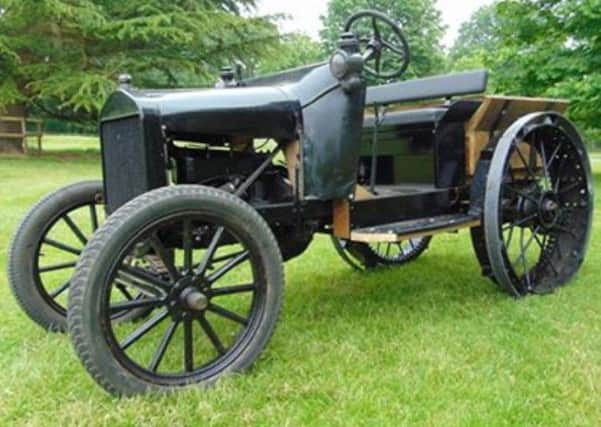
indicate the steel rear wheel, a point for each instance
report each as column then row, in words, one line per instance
column 213, row 309
column 538, row 205
column 46, row 247
column 363, row 256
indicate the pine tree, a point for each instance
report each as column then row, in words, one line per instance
column 63, row 56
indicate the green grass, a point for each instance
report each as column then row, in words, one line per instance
column 431, row 343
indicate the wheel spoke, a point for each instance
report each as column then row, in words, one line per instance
column 75, row 229
column 564, row 230
column 558, row 179
column 94, row 216
column 187, row 244
column 160, row 353
column 165, row 257
column 188, row 345
column 374, row 24
column 143, row 330
column 210, row 252
column 554, row 154
column 520, row 193
column 62, row 246
column 510, row 237
column 545, row 165
column 524, row 161
column 222, row 258
column 136, row 303
column 401, row 248
column 227, row 314
column 537, row 240
column 233, row 263
column 394, row 48
column 122, row 288
column 523, row 256
column 208, row 329
column 568, row 188
column 147, row 278
column 62, row 288
column 56, row 267
column 229, row 290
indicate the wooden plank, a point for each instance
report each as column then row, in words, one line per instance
column 12, row 135
column 476, row 141
column 362, row 193
column 10, row 118
column 342, row 218
column 395, row 238
column 292, row 154
column 490, row 117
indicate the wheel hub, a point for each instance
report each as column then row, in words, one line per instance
column 187, row 298
column 548, row 209
column 194, row 300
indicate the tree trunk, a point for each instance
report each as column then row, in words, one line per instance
column 11, row 145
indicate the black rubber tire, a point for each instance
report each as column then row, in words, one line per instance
column 86, row 325
column 23, row 249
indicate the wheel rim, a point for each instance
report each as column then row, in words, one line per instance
column 59, row 247
column 200, row 309
column 543, row 207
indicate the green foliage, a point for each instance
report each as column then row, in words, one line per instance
column 292, row 50
column 539, row 48
column 64, row 56
column 477, row 38
column 420, row 20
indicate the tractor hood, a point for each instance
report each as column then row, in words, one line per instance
column 259, row 112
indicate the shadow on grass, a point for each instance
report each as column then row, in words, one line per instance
column 438, row 287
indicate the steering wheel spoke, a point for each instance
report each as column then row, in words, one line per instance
column 392, row 47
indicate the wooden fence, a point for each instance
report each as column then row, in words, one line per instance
column 22, row 133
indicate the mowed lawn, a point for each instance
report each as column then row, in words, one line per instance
column 431, row 343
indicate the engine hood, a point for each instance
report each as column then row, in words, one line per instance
column 259, row 112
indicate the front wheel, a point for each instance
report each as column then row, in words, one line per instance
column 210, row 311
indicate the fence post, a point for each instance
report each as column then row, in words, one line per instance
column 24, row 134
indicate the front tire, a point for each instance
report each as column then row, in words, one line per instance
column 210, row 313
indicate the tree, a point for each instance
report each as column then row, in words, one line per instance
column 63, row 56
column 539, row 48
column 292, row 50
column 420, row 20
column 477, row 38
column 553, row 48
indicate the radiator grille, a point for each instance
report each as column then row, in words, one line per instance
column 125, row 166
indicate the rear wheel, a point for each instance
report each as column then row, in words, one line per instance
column 210, row 313
column 538, row 206
column 363, row 256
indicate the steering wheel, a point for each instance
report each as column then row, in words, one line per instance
column 376, row 42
